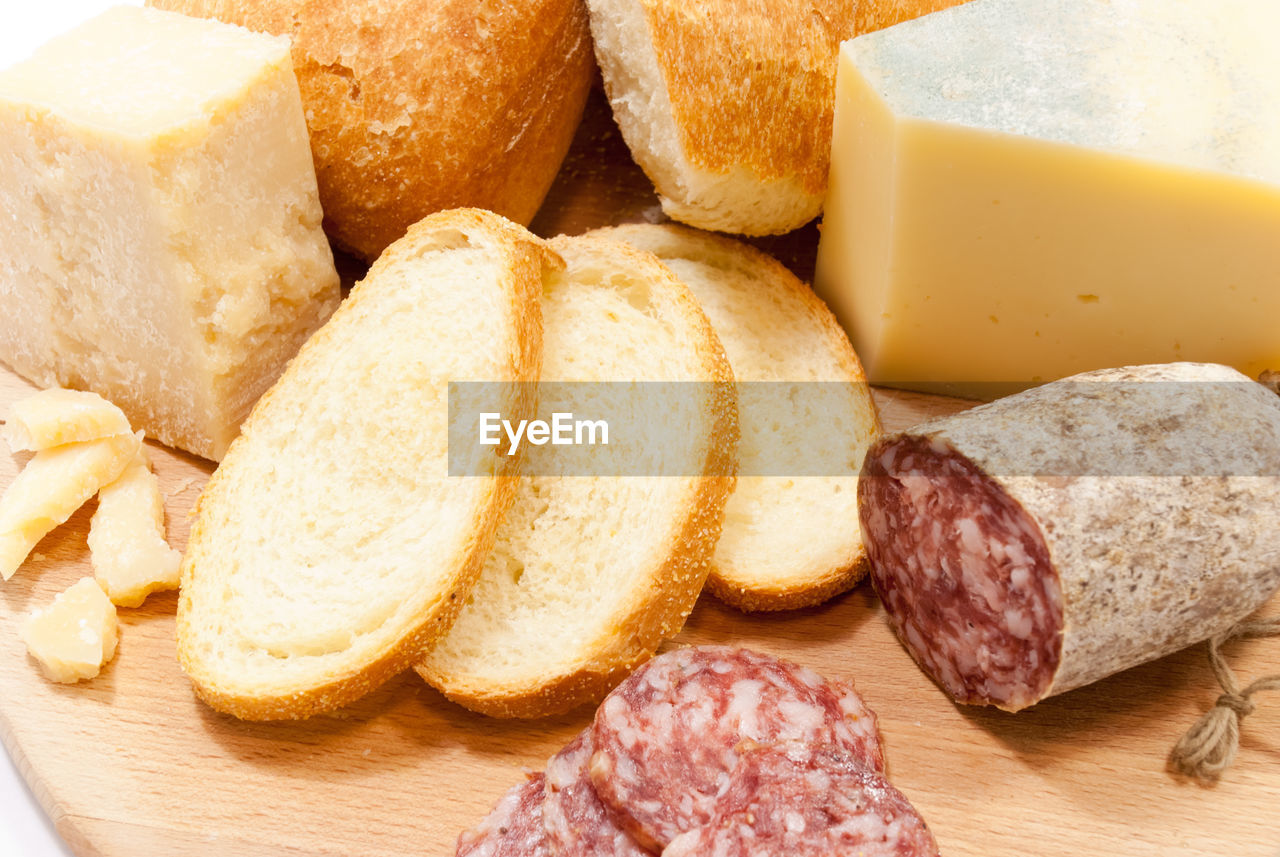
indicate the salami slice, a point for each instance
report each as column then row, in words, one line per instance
column 513, row 828
column 806, row 801
column 577, row 823
column 1052, row 538
column 667, row 738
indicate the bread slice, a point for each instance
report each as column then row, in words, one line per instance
column 591, row 573
column 726, row 107
column 331, row 548
column 789, row 541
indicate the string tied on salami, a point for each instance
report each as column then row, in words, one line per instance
column 1210, row 746
column 1271, row 380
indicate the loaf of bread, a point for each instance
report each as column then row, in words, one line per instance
column 790, row 539
column 422, row 105
column 728, row 107
column 331, row 547
column 591, row 573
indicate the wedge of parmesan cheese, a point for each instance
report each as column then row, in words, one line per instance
column 161, row 241
column 75, row 635
column 55, row 483
column 130, row 556
column 56, row 416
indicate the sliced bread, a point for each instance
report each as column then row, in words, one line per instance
column 331, row 547
column 789, row 540
column 591, row 573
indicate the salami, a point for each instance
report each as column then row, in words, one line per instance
column 577, row 823
column 1052, row 538
column 667, row 738
column 804, row 801
column 513, row 828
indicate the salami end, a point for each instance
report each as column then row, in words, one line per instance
column 1052, row 538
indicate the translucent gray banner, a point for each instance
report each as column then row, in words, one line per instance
column 818, row 429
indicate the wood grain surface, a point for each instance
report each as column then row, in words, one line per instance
column 131, row 763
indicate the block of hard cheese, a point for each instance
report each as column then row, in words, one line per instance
column 161, row 242
column 1025, row 189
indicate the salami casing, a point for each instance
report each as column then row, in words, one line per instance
column 1052, row 538
column 667, row 738
column 804, row 801
column 577, row 823
column 513, row 828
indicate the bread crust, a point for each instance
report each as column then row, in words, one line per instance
column 753, row 86
column 818, row 582
column 423, row 105
column 747, row 90
column 526, row 257
column 824, row 585
column 657, row 609
column 750, row 93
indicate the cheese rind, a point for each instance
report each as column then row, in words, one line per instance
column 75, row 635
column 56, row 416
column 52, row 486
column 1025, row 190
column 163, row 244
column 130, row 556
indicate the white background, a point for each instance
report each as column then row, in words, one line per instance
column 25, row 831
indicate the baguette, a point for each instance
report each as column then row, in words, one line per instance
column 728, row 107
column 787, row 542
column 591, row 573
column 331, row 548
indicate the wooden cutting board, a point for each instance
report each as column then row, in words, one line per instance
column 131, row 763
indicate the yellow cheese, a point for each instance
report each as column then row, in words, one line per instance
column 52, row 486
column 162, row 242
column 75, row 635
column 56, row 416
column 130, row 556
column 1026, row 189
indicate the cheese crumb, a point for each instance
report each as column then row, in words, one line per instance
column 56, row 416
column 75, row 635
column 130, row 556
column 52, row 486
